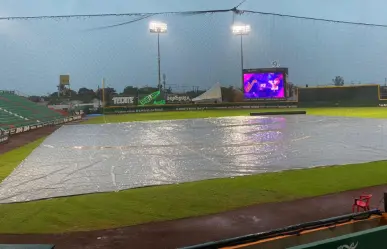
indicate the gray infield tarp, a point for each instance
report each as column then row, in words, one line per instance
column 82, row 159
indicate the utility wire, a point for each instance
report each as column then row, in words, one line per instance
column 145, row 16
column 234, row 10
column 121, row 24
column 12, row 18
column 313, row 18
column 240, row 4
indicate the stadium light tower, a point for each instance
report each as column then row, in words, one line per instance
column 158, row 28
column 241, row 30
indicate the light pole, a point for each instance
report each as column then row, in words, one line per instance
column 158, row 28
column 241, row 30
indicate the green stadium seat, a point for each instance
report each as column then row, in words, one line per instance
column 18, row 111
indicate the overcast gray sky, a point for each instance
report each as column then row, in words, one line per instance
column 198, row 50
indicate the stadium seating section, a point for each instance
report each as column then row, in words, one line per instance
column 17, row 111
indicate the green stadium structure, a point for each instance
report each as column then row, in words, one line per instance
column 343, row 96
column 18, row 111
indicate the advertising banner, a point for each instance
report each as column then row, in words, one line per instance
column 4, row 139
column 149, row 98
column 4, row 132
column 18, row 130
column 195, row 108
column 178, row 99
column 123, row 100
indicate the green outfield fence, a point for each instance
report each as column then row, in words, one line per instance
column 345, row 96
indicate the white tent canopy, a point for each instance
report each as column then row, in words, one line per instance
column 214, row 94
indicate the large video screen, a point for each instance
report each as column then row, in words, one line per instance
column 264, row 85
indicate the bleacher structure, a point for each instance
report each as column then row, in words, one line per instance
column 17, row 111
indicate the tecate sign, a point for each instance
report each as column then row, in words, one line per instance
column 178, row 98
column 122, row 100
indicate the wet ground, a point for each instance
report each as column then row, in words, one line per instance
column 196, row 230
column 21, row 139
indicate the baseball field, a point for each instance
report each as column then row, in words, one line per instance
column 169, row 202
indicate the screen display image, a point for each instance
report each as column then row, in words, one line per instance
column 266, row 85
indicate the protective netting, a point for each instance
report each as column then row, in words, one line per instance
column 82, row 159
column 197, row 51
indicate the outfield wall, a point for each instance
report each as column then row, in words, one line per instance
column 340, row 96
column 331, row 96
column 198, row 107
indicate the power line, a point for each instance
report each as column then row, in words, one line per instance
column 123, row 23
column 234, row 11
column 313, row 18
column 12, row 18
column 142, row 16
column 145, row 16
column 240, row 4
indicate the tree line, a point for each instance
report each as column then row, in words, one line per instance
column 87, row 95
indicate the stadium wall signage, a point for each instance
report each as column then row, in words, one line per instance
column 138, row 110
column 230, row 107
column 4, row 139
column 14, row 131
column 174, row 98
column 190, row 108
column 123, row 100
column 4, row 91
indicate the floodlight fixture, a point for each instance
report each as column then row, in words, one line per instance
column 158, row 27
column 241, row 29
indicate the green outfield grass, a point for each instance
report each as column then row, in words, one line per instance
column 9, row 161
column 376, row 112
column 136, row 206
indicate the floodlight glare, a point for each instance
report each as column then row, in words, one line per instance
column 158, row 27
column 241, row 29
